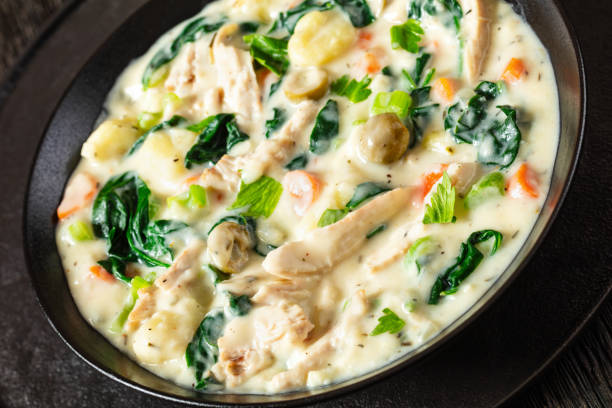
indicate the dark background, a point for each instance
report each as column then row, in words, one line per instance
column 582, row 376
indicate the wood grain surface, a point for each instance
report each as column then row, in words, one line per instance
column 580, row 377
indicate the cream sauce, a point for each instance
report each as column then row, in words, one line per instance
column 340, row 303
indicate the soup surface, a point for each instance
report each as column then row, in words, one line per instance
column 282, row 195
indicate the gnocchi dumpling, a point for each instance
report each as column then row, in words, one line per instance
column 319, row 37
column 111, row 140
column 167, row 333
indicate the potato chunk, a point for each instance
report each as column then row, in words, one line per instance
column 110, row 140
column 319, row 37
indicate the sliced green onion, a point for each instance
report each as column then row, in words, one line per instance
column 146, row 120
column 80, row 231
column 397, row 102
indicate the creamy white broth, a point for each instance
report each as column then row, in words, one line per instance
column 319, row 331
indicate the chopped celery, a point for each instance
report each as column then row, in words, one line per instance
column 154, row 206
column 420, row 252
column 171, row 100
column 146, row 120
column 80, row 231
column 195, row 198
column 397, row 102
column 136, row 283
column 491, row 185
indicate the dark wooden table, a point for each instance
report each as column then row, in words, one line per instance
column 580, row 377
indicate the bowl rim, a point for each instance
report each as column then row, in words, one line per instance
column 324, row 393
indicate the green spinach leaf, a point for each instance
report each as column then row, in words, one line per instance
column 298, row 162
column 219, row 133
column 358, row 11
column 278, row 119
column 363, row 192
column 468, row 260
column 325, row 129
column 202, row 352
column 497, row 142
column 121, row 216
column 170, row 123
column 239, row 305
column 289, row 19
column 190, row 33
column 269, row 52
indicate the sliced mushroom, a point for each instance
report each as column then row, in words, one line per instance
column 307, row 83
column 383, row 138
column 228, row 246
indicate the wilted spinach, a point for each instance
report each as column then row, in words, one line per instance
column 358, row 12
column 189, row 34
column 219, row 133
column 121, row 216
column 468, row 260
column 278, row 119
column 497, row 141
column 289, row 19
column 325, row 129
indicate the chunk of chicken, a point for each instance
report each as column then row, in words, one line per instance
column 235, row 366
column 317, row 355
column 179, row 280
column 285, row 320
column 225, row 176
column 463, row 175
column 323, row 248
column 236, row 76
column 281, row 148
column 477, row 24
column 398, row 245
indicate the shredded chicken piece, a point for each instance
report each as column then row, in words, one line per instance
column 143, row 309
column 284, row 320
column 236, row 76
column 182, row 73
column 175, row 277
column 178, row 278
column 342, row 239
column 477, row 24
column 463, row 175
column 398, row 244
column 235, row 366
column 224, row 176
column 317, row 355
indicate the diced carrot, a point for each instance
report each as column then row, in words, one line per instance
column 523, row 183
column 445, row 88
column 428, row 180
column 79, row 192
column 364, row 39
column 191, row 180
column 372, row 65
column 101, row 273
column 304, row 187
column 514, row 70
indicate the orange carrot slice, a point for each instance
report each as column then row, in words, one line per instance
column 101, row 273
column 372, row 65
column 445, row 88
column 79, row 192
column 523, row 183
column 428, row 180
column 514, row 70
column 304, row 187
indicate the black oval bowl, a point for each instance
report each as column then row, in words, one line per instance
column 76, row 115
